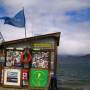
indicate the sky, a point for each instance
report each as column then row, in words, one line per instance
column 70, row 17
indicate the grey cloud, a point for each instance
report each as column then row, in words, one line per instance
column 47, row 16
column 76, row 42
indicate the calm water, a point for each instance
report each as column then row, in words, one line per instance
column 74, row 72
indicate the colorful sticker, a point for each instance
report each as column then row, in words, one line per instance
column 40, row 59
column 38, row 78
column 24, row 77
column 13, row 58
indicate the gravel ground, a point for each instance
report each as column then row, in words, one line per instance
column 11, row 89
column 2, row 88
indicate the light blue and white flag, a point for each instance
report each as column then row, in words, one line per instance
column 18, row 20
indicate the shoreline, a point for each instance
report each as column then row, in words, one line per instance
column 69, row 87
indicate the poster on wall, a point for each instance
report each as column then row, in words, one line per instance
column 38, row 78
column 12, row 77
column 13, row 58
column 40, row 59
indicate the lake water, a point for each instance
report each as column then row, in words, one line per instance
column 74, row 72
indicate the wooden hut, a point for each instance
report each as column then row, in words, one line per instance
column 41, row 53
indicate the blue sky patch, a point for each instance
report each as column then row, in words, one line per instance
column 2, row 10
column 81, row 15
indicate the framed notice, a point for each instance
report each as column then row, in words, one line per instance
column 40, row 59
column 12, row 77
column 38, row 78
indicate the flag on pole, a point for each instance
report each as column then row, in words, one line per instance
column 18, row 20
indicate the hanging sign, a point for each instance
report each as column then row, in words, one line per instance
column 43, row 45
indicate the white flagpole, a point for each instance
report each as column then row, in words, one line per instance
column 25, row 25
column 32, row 33
column 25, row 32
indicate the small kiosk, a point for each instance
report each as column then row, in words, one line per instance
column 29, row 62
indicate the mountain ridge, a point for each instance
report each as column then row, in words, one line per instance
column 87, row 55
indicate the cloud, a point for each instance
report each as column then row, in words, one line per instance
column 50, row 6
column 47, row 16
column 81, row 15
column 19, row 3
column 10, row 32
column 76, row 43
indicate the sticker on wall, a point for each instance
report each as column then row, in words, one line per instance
column 40, row 59
column 24, row 77
column 38, row 78
column 13, row 58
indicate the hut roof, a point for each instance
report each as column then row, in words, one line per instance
column 51, row 35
